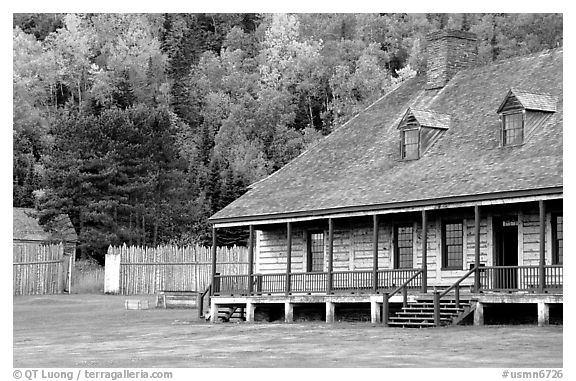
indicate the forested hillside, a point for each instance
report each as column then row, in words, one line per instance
column 140, row 126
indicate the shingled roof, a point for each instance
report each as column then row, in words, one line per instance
column 532, row 101
column 359, row 165
column 27, row 229
column 428, row 118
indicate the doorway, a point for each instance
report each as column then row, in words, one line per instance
column 506, row 253
column 315, row 252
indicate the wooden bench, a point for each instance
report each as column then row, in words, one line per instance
column 177, row 299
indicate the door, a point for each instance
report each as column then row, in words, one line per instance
column 506, row 253
column 315, row 262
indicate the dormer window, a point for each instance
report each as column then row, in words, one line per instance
column 521, row 112
column 410, row 144
column 513, row 128
column 419, row 129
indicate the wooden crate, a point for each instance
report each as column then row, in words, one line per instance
column 134, row 304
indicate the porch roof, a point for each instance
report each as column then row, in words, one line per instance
column 358, row 166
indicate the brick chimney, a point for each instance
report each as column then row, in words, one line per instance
column 449, row 51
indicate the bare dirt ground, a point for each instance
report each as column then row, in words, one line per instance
column 97, row 331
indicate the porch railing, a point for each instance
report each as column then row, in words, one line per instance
column 401, row 288
column 554, row 276
column 308, row 282
column 390, row 279
column 314, row 282
column 492, row 278
column 519, row 278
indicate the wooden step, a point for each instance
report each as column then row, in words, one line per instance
column 442, row 314
column 228, row 313
column 431, row 304
column 417, row 318
column 411, row 324
column 429, row 309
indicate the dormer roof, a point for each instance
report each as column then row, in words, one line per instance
column 530, row 100
column 427, row 118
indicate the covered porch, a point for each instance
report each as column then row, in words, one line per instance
column 382, row 285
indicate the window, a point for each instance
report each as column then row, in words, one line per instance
column 315, row 252
column 452, row 245
column 410, row 144
column 404, row 247
column 557, row 239
column 512, row 129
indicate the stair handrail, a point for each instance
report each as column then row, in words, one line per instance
column 456, row 287
column 387, row 296
column 201, row 300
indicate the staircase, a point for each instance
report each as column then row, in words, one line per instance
column 420, row 314
column 228, row 313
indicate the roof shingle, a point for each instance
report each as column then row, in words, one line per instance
column 427, row 118
column 538, row 102
column 26, row 227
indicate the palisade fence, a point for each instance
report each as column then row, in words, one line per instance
column 38, row 269
column 132, row 270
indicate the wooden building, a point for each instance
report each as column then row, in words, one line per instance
column 443, row 196
column 38, row 266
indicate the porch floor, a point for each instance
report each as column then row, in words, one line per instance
column 483, row 297
column 479, row 300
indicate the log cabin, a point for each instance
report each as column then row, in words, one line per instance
column 443, row 197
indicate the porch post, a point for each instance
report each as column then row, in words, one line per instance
column 330, row 312
column 542, row 282
column 424, row 252
column 543, row 314
column 374, row 311
column 288, row 312
column 288, row 256
column 375, row 254
column 330, row 255
column 214, row 286
column 213, row 311
column 477, row 248
column 250, row 308
column 250, row 259
column 479, row 314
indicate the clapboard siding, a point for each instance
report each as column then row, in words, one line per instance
column 531, row 238
column 272, row 248
column 353, row 244
column 485, row 242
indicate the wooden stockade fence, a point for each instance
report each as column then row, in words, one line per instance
column 38, row 269
column 134, row 270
